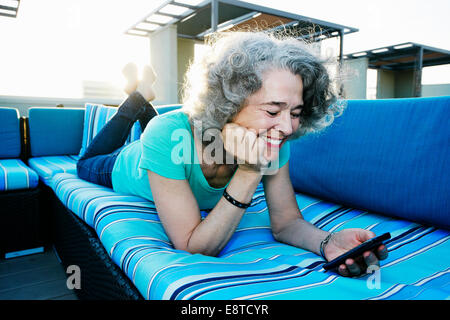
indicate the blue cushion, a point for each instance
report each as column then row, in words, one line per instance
column 253, row 265
column 390, row 156
column 88, row 200
column 55, row 131
column 46, row 167
column 9, row 133
column 96, row 116
column 15, row 175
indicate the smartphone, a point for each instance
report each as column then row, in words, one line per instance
column 369, row 245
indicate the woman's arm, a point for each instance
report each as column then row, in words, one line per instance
column 288, row 226
column 180, row 214
column 287, row 222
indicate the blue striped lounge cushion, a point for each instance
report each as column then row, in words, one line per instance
column 16, row 175
column 95, row 117
column 254, row 265
column 88, row 200
column 46, row 167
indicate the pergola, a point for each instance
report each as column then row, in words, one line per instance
column 402, row 57
column 9, row 8
column 196, row 19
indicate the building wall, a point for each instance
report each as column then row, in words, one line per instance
column 185, row 56
column 436, row 90
column 163, row 57
column 385, row 84
column 404, row 84
column 355, row 78
column 24, row 103
column 395, row 84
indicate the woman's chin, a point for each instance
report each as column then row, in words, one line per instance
column 271, row 153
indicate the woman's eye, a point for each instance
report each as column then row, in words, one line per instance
column 273, row 114
column 295, row 115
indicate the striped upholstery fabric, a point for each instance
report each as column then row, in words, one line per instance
column 16, row 175
column 253, row 265
column 95, row 117
column 87, row 200
column 46, row 167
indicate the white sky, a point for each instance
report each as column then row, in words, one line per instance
column 54, row 44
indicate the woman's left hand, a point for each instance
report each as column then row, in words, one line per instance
column 346, row 240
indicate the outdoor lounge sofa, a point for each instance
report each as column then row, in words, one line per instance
column 19, row 193
column 383, row 165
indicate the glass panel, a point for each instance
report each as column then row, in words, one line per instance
column 8, row 12
column 190, row 2
column 9, row 3
column 147, row 26
column 138, row 32
column 176, row 10
column 158, row 18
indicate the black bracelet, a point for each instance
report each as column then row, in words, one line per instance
column 234, row 201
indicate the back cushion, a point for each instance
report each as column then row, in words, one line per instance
column 55, row 131
column 9, row 133
column 95, row 117
column 389, row 156
column 98, row 115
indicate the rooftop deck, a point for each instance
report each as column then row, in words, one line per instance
column 34, row 277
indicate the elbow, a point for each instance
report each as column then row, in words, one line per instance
column 193, row 248
column 282, row 229
column 277, row 232
column 203, row 251
column 276, row 236
column 193, row 244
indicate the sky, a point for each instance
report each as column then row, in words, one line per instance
column 54, row 44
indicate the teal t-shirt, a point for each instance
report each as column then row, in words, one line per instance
column 167, row 148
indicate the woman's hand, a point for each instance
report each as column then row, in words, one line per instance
column 245, row 145
column 346, row 240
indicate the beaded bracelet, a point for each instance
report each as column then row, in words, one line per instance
column 234, row 201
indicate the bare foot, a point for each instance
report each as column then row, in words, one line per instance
column 131, row 75
column 145, row 85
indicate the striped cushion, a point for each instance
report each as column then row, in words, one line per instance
column 95, row 117
column 46, row 167
column 253, row 265
column 87, row 199
column 16, row 175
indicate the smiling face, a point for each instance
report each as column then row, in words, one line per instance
column 274, row 110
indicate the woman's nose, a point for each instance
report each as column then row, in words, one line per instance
column 285, row 124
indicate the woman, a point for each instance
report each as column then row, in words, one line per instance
column 243, row 102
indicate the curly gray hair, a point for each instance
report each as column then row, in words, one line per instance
column 217, row 86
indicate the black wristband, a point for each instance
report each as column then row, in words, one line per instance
column 234, row 201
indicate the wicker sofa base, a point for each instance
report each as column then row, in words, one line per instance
column 20, row 226
column 77, row 244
